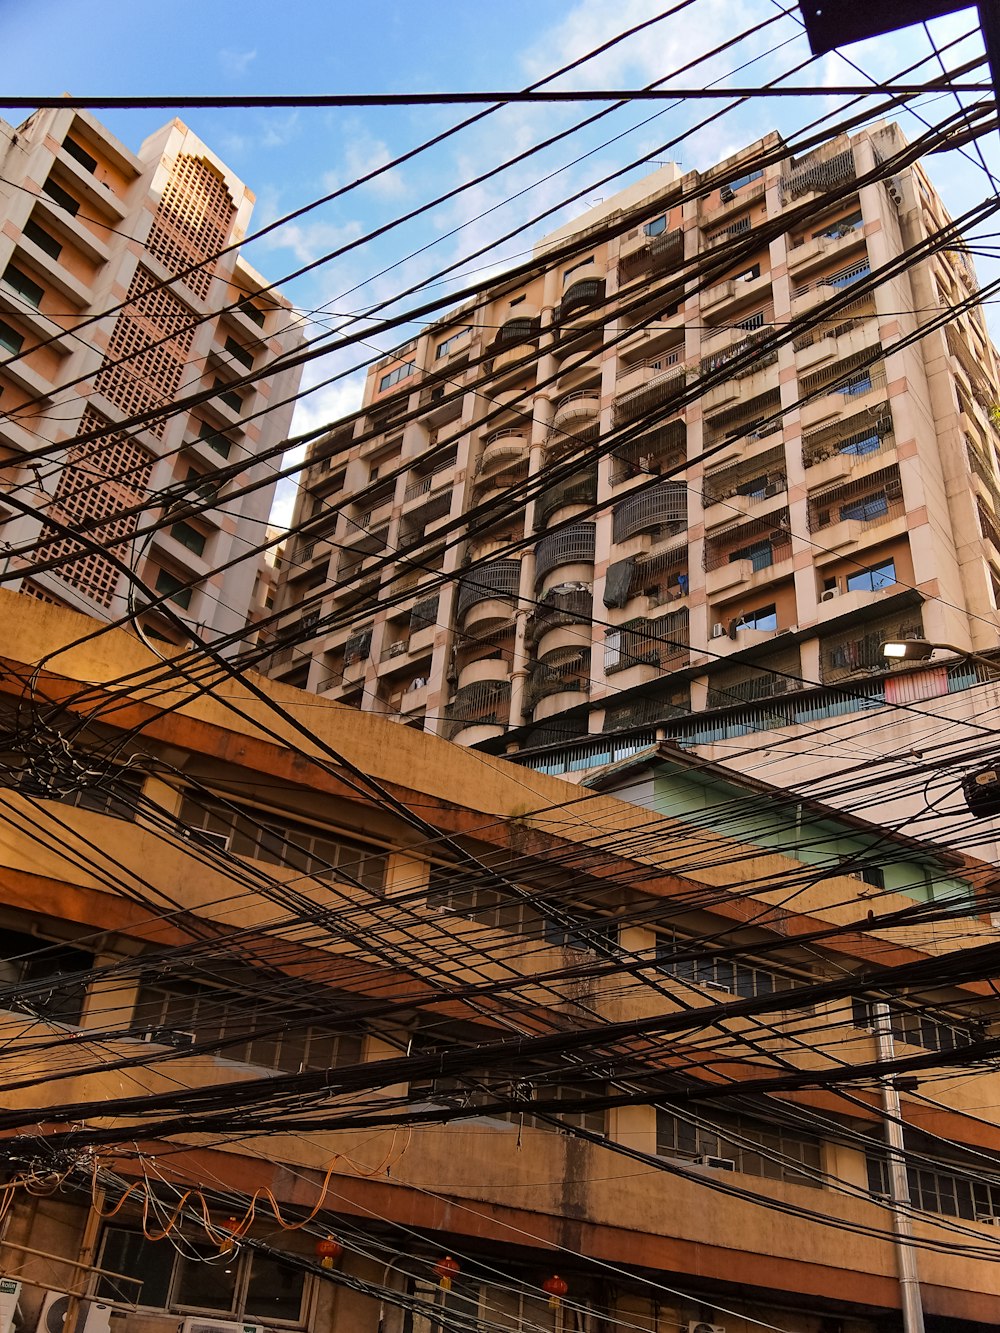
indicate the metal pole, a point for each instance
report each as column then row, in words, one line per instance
column 899, row 1189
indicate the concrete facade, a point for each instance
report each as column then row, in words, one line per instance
column 651, row 1228
column 114, row 308
column 688, row 470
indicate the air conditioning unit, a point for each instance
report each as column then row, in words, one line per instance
column 696, row 1327
column 168, row 1037
column 828, row 594
column 10, row 1291
column 894, row 189
column 397, row 649
column 94, row 1316
column 718, row 1164
column 726, row 194
column 205, row 1324
column 718, row 630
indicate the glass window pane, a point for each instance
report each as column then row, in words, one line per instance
column 130, row 1253
column 207, row 1285
column 274, row 1290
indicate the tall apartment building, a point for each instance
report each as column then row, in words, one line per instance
column 692, row 465
column 112, row 304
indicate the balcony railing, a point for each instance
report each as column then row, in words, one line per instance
column 497, row 580
column 583, row 295
column 842, row 655
column 483, row 703
column 756, row 479
column 663, row 642
column 572, row 606
column 759, row 543
column 643, row 510
column 761, row 359
column 871, row 500
column 813, row 174
column 357, row 647
column 572, row 546
column 553, row 677
column 423, row 613
column 646, row 399
column 660, row 450
column 656, row 256
column 578, row 490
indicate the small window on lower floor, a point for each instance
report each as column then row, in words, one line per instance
column 168, row 585
column 874, row 578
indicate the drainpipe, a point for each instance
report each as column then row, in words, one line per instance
column 899, row 1189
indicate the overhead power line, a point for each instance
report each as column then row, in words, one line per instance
column 511, row 95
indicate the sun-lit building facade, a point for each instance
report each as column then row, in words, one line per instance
column 122, row 294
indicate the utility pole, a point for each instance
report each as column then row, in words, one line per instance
column 899, row 1188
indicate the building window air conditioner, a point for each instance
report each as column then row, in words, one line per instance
column 10, row 1292
column 697, row 1327
column 726, row 194
column 828, row 594
column 718, row 630
column 718, row 1164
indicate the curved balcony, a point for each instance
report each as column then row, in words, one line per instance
column 642, row 511
column 496, row 582
column 572, row 546
column 487, row 668
column 581, row 296
column 502, row 449
column 579, row 408
column 564, row 681
column 578, row 490
column 572, row 605
column 649, row 397
column 477, row 712
column 517, row 332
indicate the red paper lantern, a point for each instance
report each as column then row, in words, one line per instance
column 556, row 1288
column 232, row 1226
column 328, row 1251
column 446, row 1269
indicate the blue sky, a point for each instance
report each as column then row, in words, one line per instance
column 289, row 158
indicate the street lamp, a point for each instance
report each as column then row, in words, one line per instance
column 919, row 650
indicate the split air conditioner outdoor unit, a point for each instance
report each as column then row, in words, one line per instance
column 10, row 1291
column 718, row 630
column 719, row 1164
column 726, row 194
column 828, row 594
column 695, row 1327
column 895, row 191
column 95, row 1317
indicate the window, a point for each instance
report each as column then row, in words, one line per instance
column 61, row 197
column 247, row 307
column 842, row 227
column 444, row 348
column 725, row 974
column 764, row 618
column 238, row 352
column 43, row 239
column 589, row 934
column 771, row 1150
column 874, row 578
column 855, row 384
column 168, row 585
column 850, row 275
column 80, row 154
column 258, row 1286
column 860, row 445
column 232, row 398
column 657, row 227
column 189, row 537
column 866, row 509
column 749, row 275
column 740, row 181
column 215, row 439
column 394, row 376
column 760, row 555
column 752, row 322
column 179, row 1012
column 10, row 339
column 938, row 1190
column 24, row 286
column 46, row 974
column 921, row 1027
column 268, row 836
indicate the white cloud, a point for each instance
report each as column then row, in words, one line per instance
column 362, row 153
column 236, row 63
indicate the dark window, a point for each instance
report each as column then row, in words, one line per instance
column 80, row 154
column 189, row 537
column 874, row 578
column 232, row 398
column 206, row 1285
column 215, row 439
column 250, row 310
column 656, row 227
column 760, row 555
column 756, row 1148
column 10, row 339
column 394, row 376
column 938, row 1190
column 239, row 353
column 859, row 446
column 24, row 286
column 43, row 239
column 152, row 1262
column 41, row 978
column 168, row 585
column 61, row 197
